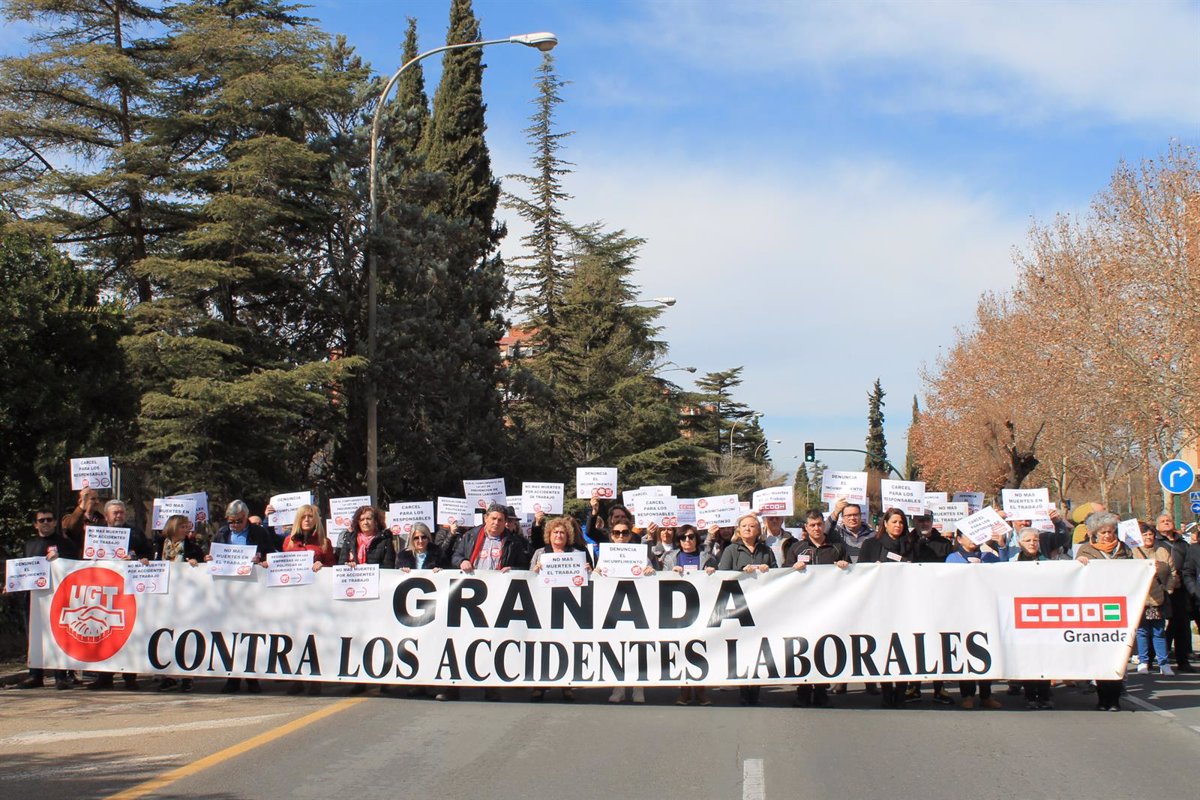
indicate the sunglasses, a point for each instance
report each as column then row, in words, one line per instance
column 420, row 538
column 620, row 533
column 45, row 520
column 687, row 537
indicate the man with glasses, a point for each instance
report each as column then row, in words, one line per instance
column 139, row 547
column 847, row 526
column 239, row 530
column 488, row 547
column 49, row 544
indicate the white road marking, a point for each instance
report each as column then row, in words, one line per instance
column 117, row 764
column 66, row 736
column 754, row 786
column 1137, row 701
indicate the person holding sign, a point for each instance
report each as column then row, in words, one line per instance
column 177, row 545
column 1179, row 622
column 240, row 531
column 561, row 537
column 748, row 553
column 367, row 541
column 892, row 544
column 968, row 552
column 847, row 527
column 419, row 552
column 308, row 533
column 47, row 544
column 488, row 547
column 687, row 556
column 87, row 512
column 621, row 532
column 1104, row 546
column 1153, row 626
column 115, row 516
column 814, row 548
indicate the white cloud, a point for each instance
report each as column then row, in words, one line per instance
column 1129, row 62
column 817, row 280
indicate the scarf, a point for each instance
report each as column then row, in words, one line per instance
column 363, row 541
column 1106, row 548
column 173, row 551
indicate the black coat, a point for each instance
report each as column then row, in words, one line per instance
column 407, row 559
column 1191, row 571
column 380, row 551
column 191, row 549
column 514, row 552
column 828, row 553
column 879, row 549
column 932, row 550
column 39, row 545
column 257, row 535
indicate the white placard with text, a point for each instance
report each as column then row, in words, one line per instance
column 101, row 543
column 153, row 577
column 91, row 473
column 356, row 583
column 544, row 498
column 908, row 496
column 285, row 506
column 231, row 560
column 598, row 482
column 293, row 568
column 774, row 501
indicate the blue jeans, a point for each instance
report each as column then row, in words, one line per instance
column 1152, row 630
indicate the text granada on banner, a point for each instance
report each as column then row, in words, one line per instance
column 905, row 621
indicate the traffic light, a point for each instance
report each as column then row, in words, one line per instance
column 810, row 452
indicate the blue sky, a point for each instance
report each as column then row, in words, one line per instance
column 826, row 187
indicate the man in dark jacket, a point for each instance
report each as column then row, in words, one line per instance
column 86, row 513
column 847, row 526
column 488, row 547
column 932, row 547
column 1179, row 624
column 50, row 544
column 239, row 530
column 139, row 547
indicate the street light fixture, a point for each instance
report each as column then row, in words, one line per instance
column 540, row 41
column 732, row 428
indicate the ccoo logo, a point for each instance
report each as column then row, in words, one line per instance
column 1070, row 612
column 91, row 617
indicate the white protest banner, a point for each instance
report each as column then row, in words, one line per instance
column 843, row 485
column 622, row 560
column 199, row 501
column 908, row 496
column 658, row 491
column 598, row 482
column 100, row 542
column 721, row 510
column 231, row 560
column 1025, row 503
column 293, row 568
column 653, row 509
column 455, row 511
column 356, row 583
column 563, row 569
column 946, row 516
column 933, row 498
column 341, row 509
column 775, row 501
column 1129, row 532
column 482, row 493
column 544, row 498
column 687, row 510
column 153, row 577
column 940, row 622
column 91, row 473
column 983, row 525
column 285, row 508
column 163, row 508
column 974, row 500
column 402, row 516
column 26, row 574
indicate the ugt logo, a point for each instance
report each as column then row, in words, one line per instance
column 91, row 617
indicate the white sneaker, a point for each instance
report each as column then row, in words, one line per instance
column 618, row 694
column 639, row 694
column 1143, row 669
column 1166, row 670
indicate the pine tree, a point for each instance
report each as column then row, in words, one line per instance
column 912, row 467
column 65, row 392
column 714, row 396
column 876, row 441
column 540, row 277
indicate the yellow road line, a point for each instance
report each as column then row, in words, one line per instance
column 167, row 778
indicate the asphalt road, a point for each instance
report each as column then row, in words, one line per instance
column 81, row 744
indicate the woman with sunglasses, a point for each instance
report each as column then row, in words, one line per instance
column 687, row 556
column 419, row 552
column 621, row 532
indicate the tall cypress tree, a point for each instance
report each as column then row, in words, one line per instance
column 470, row 282
column 912, row 467
column 876, row 460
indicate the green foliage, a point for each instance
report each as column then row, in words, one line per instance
column 65, row 393
column 912, row 466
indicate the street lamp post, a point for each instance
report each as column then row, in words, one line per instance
column 541, row 41
column 755, row 456
column 733, row 428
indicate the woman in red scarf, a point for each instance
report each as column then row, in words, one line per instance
column 1104, row 546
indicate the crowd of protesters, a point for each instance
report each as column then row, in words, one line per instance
column 841, row 537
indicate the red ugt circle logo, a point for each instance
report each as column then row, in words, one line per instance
column 90, row 616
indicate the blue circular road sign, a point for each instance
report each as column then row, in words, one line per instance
column 1196, row 508
column 1176, row 476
